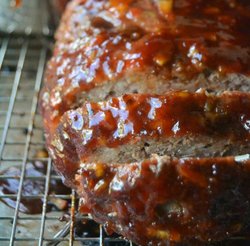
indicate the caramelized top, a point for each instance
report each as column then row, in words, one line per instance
column 130, row 118
column 100, row 41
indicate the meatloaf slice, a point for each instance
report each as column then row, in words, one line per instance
column 165, row 200
column 132, row 127
column 108, row 48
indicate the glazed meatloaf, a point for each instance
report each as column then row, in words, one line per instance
column 147, row 115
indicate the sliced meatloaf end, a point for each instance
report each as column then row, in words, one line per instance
column 166, row 199
column 135, row 126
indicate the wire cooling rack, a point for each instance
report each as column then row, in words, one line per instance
column 22, row 63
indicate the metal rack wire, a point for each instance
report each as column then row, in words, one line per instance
column 22, row 62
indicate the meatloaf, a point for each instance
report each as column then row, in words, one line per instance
column 147, row 115
column 135, row 126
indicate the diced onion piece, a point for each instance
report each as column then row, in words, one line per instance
column 165, row 6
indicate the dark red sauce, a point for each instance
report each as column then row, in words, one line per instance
column 32, row 187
